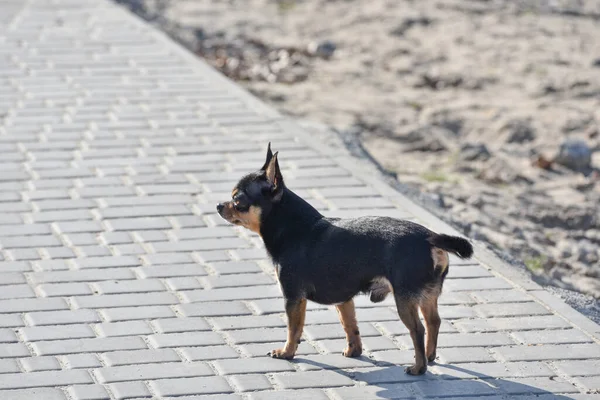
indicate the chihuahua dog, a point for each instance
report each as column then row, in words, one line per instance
column 331, row 260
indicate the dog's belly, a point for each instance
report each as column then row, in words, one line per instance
column 332, row 294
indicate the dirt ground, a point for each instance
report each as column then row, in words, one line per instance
column 490, row 107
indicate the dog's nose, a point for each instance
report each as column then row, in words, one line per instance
column 220, row 207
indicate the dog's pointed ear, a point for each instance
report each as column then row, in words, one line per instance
column 275, row 178
column 269, row 157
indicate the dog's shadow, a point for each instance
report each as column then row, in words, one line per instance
column 389, row 381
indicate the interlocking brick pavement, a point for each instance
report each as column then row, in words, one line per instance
column 118, row 280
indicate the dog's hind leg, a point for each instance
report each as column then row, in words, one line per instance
column 347, row 316
column 409, row 314
column 429, row 309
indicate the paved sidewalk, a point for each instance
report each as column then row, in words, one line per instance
column 119, row 281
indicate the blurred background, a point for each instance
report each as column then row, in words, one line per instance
column 487, row 110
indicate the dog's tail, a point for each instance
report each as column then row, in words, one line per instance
column 454, row 244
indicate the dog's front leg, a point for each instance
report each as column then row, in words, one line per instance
column 295, row 310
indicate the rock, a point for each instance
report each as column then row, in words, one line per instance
column 574, row 154
column 564, row 249
column 542, row 162
column 517, row 130
column 474, row 151
column 324, row 49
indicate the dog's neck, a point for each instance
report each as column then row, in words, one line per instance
column 289, row 219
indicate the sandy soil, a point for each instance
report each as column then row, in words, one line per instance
column 491, row 107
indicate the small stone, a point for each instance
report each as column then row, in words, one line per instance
column 474, row 151
column 517, row 131
column 574, row 154
column 324, row 49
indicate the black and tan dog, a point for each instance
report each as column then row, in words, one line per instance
column 331, row 260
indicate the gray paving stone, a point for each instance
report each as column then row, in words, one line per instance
column 8, row 366
column 335, row 331
column 89, row 275
column 330, row 361
column 389, row 374
column 57, row 347
column 37, row 333
column 455, row 285
column 578, row 368
column 250, row 382
column 311, row 379
column 237, row 280
column 557, row 336
column 126, row 328
column 500, row 296
column 235, row 267
column 209, row 353
column 33, row 364
column 16, row 292
column 510, row 309
column 590, row 383
column 151, row 371
column 183, row 283
column 61, row 317
column 136, row 313
column 36, row 393
column 174, row 325
column 308, row 394
column 372, row 392
column 84, row 360
column 25, row 305
column 509, row 323
column 258, row 335
column 464, row 354
column 251, row 366
column 131, row 286
column 163, row 271
column 166, row 258
column 88, row 392
column 44, row 378
column 494, row 369
column 191, row 386
column 7, row 336
column 185, row 339
column 118, row 358
column 124, row 300
column 242, row 322
column 63, row 289
column 107, row 262
column 542, row 385
column 213, row 309
column 548, row 352
column 454, row 388
column 129, row 390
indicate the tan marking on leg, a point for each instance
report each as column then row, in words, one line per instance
column 429, row 309
column 409, row 314
column 440, row 259
column 347, row 316
column 296, row 311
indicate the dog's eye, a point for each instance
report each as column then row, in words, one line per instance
column 240, row 206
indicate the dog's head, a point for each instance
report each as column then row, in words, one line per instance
column 254, row 196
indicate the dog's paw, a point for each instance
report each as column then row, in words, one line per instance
column 352, row 351
column 281, row 353
column 416, row 369
column 431, row 357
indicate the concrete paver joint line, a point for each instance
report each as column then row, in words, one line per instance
column 118, row 279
